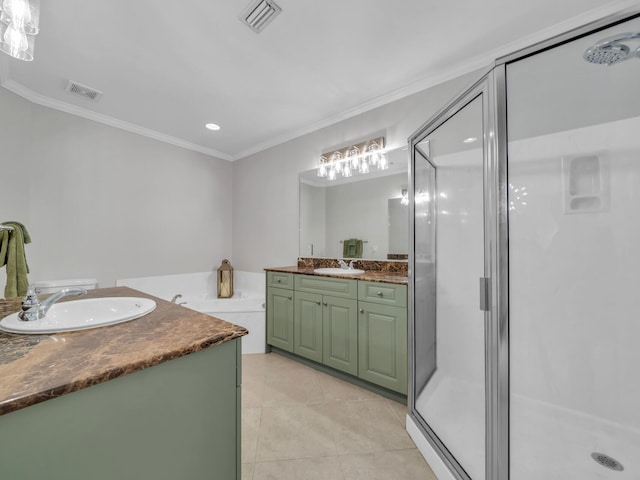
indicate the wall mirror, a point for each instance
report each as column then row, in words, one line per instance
column 366, row 207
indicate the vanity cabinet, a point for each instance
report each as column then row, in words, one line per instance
column 355, row 326
column 326, row 330
column 280, row 310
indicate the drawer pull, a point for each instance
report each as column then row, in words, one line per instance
column 362, row 310
column 279, row 280
column 380, row 294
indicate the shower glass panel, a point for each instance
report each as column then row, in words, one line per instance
column 449, row 258
column 574, row 261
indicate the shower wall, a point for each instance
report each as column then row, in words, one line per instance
column 574, row 296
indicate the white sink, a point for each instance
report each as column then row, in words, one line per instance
column 339, row 271
column 81, row 315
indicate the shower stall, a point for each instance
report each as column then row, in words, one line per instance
column 525, row 265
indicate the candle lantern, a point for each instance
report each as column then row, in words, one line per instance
column 225, row 280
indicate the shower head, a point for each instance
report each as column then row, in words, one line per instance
column 611, row 50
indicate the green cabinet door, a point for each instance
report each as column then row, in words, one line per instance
column 382, row 345
column 307, row 325
column 340, row 334
column 280, row 318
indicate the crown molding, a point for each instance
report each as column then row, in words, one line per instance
column 45, row 101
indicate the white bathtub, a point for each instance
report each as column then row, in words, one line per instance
column 199, row 292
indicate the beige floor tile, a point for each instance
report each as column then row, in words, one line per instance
column 366, row 426
column 251, row 418
column 247, row 471
column 294, row 431
column 254, row 364
column 252, row 391
column 399, row 410
column 392, row 465
column 279, row 366
column 324, row 468
column 335, row 390
column 292, row 388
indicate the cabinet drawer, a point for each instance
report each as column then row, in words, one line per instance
column 337, row 287
column 280, row 280
column 383, row 293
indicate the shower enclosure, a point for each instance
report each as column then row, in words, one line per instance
column 525, row 265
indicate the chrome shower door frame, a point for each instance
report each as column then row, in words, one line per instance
column 491, row 86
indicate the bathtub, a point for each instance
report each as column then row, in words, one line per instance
column 199, row 292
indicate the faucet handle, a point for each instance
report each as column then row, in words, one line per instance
column 351, row 264
column 31, row 299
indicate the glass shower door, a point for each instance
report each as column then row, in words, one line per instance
column 448, row 260
column 574, row 260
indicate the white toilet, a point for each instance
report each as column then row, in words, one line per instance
column 53, row 286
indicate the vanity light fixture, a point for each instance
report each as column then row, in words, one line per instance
column 405, row 197
column 356, row 158
column 19, row 24
column 212, row 126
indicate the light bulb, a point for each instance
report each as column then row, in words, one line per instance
column 322, row 170
column 354, row 157
column 332, row 174
column 24, row 14
column 383, row 163
column 364, row 167
column 16, row 40
column 346, row 170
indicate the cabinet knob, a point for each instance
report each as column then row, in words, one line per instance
column 290, row 298
column 279, row 280
column 324, row 303
column 362, row 310
column 380, row 294
column 318, row 303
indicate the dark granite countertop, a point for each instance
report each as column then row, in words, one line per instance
column 35, row 368
column 368, row 276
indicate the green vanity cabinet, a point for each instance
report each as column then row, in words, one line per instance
column 307, row 325
column 280, row 318
column 355, row 326
column 382, row 334
column 382, row 345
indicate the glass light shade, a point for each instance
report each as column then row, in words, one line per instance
column 24, row 14
column 354, row 157
column 373, row 156
column 322, row 169
column 15, row 42
column 364, row 167
column 332, row 174
column 346, row 170
column 383, row 162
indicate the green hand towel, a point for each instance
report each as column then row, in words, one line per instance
column 13, row 256
column 352, row 248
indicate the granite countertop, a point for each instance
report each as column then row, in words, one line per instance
column 35, row 368
column 367, row 276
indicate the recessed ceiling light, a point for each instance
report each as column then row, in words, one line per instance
column 212, row 126
column 470, row 140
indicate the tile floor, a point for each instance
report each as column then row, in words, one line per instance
column 301, row 424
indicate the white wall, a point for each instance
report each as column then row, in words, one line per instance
column 265, row 193
column 102, row 202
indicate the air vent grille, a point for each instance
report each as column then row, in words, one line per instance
column 259, row 14
column 83, row 91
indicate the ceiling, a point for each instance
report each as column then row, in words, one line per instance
column 167, row 68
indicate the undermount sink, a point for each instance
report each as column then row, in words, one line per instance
column 81, row 315
column 339, row 271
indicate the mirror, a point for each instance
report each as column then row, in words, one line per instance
column 365, row 211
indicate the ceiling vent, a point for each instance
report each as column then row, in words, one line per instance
column 83, row 91
column 259, row 14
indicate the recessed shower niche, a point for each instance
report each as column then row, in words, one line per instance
column 585, row 184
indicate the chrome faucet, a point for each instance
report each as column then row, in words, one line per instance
column 344, row 266
column 34, row 309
